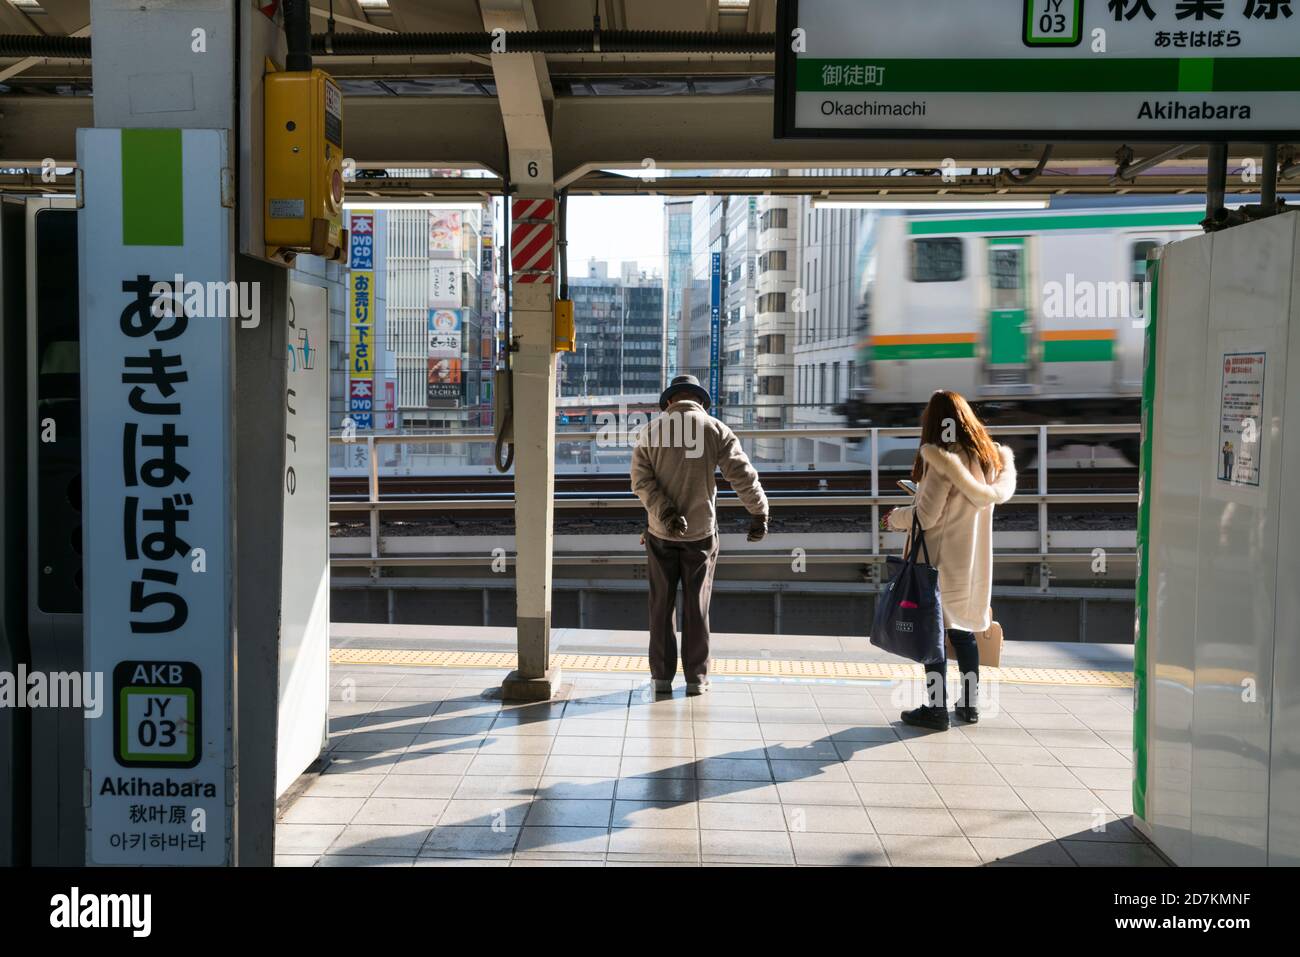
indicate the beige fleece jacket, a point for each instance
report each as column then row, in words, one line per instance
column 673, row 466
column 954, row 501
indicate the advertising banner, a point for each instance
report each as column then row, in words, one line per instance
column 361, row 240
column 444, row 233
column 444, row 284
column 361, row 346
column 445, row 345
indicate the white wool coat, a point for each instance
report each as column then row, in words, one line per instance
column 954, row 502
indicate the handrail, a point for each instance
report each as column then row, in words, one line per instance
column 373, row 505
column 459, row 438
column 628, row 500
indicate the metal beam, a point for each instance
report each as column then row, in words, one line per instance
column 591, row 133
column 419, row 189
column 31, row 61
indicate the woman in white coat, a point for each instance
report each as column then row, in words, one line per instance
column 961, row 473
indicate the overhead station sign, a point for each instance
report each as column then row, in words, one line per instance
column 1137, row 70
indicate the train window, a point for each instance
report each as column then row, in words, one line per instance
column 938, row 260
column 1140, row 250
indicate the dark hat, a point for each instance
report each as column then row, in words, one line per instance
column 687, row 384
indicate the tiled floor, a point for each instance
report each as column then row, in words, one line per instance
column 426, row 771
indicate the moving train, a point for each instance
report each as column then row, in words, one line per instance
column 1035, row 316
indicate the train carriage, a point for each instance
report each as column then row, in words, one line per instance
column 1035, row 316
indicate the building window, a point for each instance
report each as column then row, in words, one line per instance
column 771, row 385
column 771, row 302
column 937, row 260
column 774, row 260
column 774, row 218
column 771, row 344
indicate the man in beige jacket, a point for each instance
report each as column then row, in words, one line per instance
column 673, row 467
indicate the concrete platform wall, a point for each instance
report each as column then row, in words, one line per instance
column 1024, row 619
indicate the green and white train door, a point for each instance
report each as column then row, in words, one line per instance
column 1009, row 327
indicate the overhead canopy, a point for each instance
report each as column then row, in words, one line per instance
column 606, row 110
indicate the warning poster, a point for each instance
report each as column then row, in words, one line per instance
column 1241, row 410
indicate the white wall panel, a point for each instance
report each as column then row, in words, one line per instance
column 1175, row 539
column 1224, row 725
column 1250, row 287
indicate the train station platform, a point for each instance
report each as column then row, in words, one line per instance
column 427, row 767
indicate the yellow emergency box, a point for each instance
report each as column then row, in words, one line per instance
column 565, row 332
column 303, row 202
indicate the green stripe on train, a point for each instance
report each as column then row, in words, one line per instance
column 1078, row 350
column 1061, row 75
column 153, row 188
column 925, row 350
column 998, row 224
column 1068, row 350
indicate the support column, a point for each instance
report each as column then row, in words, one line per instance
column 533, row 365
column 524, row 94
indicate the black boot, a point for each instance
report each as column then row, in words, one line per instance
column 971, row 714
column 936, row 719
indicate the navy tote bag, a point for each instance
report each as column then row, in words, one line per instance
column 909, row 615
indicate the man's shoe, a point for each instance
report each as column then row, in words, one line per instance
column 936, row 719
column 663, row 686
column 969, row 715
column 697, row 687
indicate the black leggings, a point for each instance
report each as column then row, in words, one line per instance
column 968, row 664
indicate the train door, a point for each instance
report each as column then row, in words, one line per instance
column 1009, row 327
column 1136, row 249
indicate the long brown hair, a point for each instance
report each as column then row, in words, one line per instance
column 949, row 419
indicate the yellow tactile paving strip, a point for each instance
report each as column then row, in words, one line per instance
column 729, row 667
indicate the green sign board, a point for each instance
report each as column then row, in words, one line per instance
column 1133, row 70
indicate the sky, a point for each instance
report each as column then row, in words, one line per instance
column 616, row 229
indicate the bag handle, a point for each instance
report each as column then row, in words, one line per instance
column 916, row 538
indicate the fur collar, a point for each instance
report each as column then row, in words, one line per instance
column 981, row 493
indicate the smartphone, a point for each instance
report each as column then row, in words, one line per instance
column 908, row 486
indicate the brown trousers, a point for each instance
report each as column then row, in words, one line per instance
column 691, row 564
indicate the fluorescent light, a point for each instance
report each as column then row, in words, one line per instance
column 951, row 201
column 413, row 204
